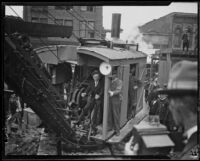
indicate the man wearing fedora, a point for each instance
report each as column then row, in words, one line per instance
column 182, row 93
column 95, row 93
column 115, row 93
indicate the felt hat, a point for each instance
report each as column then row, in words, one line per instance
column 182, row 79
column 95, row 72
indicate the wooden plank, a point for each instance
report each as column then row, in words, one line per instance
column 100, row 136
column 106, row 106
column 162, row 140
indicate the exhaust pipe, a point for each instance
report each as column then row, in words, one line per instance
column 116, row 21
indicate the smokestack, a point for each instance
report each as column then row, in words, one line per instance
column 116, row 21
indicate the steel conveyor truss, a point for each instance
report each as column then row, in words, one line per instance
column 25, row 74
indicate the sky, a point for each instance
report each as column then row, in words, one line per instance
column 133, row 16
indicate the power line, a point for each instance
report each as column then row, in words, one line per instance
column 59, row 24
column 98, row 32
column 86, row 22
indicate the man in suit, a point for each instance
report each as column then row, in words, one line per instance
column 182, row 93
column 95, row 93
column 115, row 93
column 185, row 40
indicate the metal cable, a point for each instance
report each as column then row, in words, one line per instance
column 85, row 23
column 88, row 24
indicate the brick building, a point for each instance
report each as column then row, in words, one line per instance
column 166, row 32
column 87, row 21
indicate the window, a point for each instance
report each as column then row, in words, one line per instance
column 164, row 46
column 82, row 29
column 39, row 8
column 59, row 7
column 43, row 20
column 91, row 34
column 156, row 46
column 58, row 21
column 35, row 19
column 82, row 25
column 91, row 24
column 69, row 7
column 87, row 8
column 63, row 7
column 90, row 8
column 83, row 8
column 68, row 22
column 39, row 20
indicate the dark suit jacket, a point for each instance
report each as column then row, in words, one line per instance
column 189, row 148
column 92, row 90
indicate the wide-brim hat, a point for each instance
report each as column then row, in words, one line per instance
column 182, row 79
column 95, row 72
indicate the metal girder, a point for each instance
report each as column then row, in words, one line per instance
column 13, row 24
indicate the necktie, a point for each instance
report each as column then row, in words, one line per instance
column 96, row 83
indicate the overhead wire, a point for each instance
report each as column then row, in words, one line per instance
column 88, row 24
column 90, row 27
column 99, row 35
column 59, row 24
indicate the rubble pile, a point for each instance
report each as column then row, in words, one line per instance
column 25, row 144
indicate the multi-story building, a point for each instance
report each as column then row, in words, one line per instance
column 86, row 21
column 166, row 32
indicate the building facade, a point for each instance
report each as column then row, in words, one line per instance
column 166, row 32
column 86, row 21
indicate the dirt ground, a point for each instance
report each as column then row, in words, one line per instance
column 34, row 141
column 26, row 144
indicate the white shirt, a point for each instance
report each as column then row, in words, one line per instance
column 190, row 131
column 96, row 83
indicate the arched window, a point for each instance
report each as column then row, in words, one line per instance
column 177, row 36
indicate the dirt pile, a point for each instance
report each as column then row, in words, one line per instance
column 26, row 144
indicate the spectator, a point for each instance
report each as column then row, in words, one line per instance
column 185, row 40
column 115, row 93
column 94, row 100
column 182, row 92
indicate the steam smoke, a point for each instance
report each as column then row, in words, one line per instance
column 137, row 38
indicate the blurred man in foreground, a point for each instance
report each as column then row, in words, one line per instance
column 182, row 94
